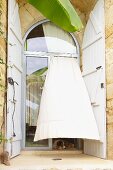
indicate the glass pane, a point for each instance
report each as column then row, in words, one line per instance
column 36, row 73
column 48, row 37
column 50, row 44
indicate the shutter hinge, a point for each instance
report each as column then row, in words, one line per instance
column 102, row 85
column 99, row 67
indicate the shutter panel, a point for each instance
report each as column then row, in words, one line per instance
column 14, row 71
column 94, row 76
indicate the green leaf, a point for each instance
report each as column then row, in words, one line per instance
column 1, row 61
column 60, row 12
column 40, row 72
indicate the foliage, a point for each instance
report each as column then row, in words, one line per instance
column 40, row 72
column 4, row 139
column 1, row 61
column 60, row 12
column 37, row 76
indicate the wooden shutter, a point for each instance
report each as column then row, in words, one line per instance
column 94, row 76
column 15, row 72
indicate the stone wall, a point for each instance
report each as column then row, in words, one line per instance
column 30, row 16
column 109, row 74
column 3, row 29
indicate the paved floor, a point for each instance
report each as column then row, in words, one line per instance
column 53, row 161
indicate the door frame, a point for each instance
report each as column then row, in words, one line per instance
column 49, row 147
column 23, row 100
column 38, row 55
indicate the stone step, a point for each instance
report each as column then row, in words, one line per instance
column 52, row 152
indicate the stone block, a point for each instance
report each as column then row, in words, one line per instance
column 109, row 42
column 3, row 20
column 108, row 3
column 26, row 19
column 110, row 118
column 109, row 56
column 109, row 74
column 108, row 18
column 110, row 141
column 33, row 12
column 110, row 91
column 110, row 104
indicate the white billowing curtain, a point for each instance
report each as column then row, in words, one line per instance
column 65, row 108
column 50, row 30
column 58, row 40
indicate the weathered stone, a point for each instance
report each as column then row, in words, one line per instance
column 110, row 104
column 108, row 3
column 110, row 91
column 108, row 17
column 3, row 20
column 33, row 11
column 84, row 6
column 30, row 16
column 109, row 42
column 110, row 118
column 109, row 73
column 109, row 56
column 26, row 19
column 110, row 141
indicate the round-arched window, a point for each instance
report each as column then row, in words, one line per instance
column 47, row 37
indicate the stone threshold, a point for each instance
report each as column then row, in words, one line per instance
column 52, row 152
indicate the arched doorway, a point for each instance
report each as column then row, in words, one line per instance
column 93, row 46
column 43, row 40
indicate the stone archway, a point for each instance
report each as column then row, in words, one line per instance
column 83, row 9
